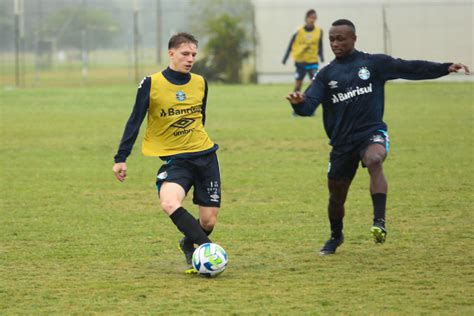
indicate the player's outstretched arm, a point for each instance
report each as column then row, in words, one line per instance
column 457, row 67
column 120, row 171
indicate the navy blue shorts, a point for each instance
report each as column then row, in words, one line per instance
column 202, row 172
column 343, row 162
column 304, row 68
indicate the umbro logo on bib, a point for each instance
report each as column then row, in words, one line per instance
column 183, row 123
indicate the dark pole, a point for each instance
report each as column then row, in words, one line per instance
column 254, row 44
column 386, row 32
column 84, row 44
column 135, row 40
column 158, row 31
column 17, row 42
column 22, row 43
column 38, row 36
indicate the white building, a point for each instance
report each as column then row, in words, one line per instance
column 436, row 30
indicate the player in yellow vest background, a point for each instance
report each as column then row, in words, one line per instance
column 175, row 102
column 306, row 48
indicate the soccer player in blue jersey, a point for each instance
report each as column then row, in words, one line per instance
column 306, row 48
column 175, row 102
column 351, row 90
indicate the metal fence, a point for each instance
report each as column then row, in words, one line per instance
column 32, row 54
column 33, row 32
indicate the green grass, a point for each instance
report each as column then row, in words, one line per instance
column 73, row 240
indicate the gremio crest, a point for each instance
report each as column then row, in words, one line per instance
column 364, row 73
column 180, row 96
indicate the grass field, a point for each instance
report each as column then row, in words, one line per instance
column 73, row 240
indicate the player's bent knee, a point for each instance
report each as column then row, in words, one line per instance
column 209, row 223
column 208, row 217
column 374, row 161
column 169, row 206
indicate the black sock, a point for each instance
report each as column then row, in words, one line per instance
column 188, row 241
column 188, row 225
column 336, row 227
column 379, row 201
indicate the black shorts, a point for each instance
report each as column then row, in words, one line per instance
column 202, row 172
column 343, row 162
column 304, row 68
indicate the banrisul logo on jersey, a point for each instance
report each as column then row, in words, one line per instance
column 180, row 96
column 347, row 96
column 364, row 73
column 173, row 111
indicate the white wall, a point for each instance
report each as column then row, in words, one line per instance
column 437, row 30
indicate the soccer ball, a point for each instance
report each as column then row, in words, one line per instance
column 210, row 259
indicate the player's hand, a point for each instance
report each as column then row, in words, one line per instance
column 458, row 66
column 120, row 171
column 295, row 97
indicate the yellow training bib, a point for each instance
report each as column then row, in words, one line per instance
column 175, row 118
column 305, row 47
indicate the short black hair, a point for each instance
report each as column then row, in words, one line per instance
column 344, row 22
column 180, row 38
column 310, row 11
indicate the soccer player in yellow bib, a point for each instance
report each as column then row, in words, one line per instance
column 306, row 47
column 175, row 102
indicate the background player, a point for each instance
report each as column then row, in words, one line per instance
column 351, row 90
column 175, row 101
column 306, row 47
